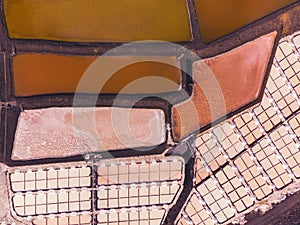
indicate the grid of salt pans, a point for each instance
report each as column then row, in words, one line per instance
column 108, row 192
column 247, row 158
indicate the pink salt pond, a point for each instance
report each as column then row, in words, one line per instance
column 64, row 132
column 223, row 84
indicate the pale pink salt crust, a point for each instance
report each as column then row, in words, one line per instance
column 63, row 132
column 223, row 84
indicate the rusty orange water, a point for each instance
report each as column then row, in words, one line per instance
column 217, row 18
column 37, row 74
